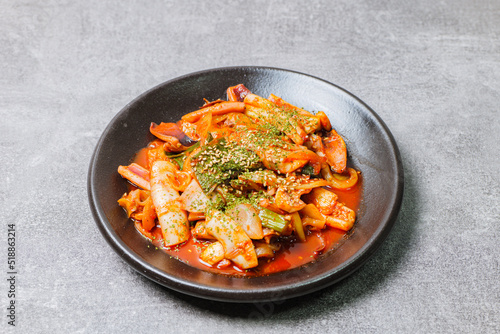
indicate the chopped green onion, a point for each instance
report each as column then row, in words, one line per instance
column 180, row 161
column 272, row 220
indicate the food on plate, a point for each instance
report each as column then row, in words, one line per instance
column 243, row 186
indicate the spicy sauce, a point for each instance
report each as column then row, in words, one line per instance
column 292, row 253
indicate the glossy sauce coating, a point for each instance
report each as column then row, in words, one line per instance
column 291, row 255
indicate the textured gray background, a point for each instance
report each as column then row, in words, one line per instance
column 430, row 69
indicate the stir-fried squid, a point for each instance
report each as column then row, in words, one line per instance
column 241, row 177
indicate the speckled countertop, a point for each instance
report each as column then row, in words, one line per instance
column 430, row 69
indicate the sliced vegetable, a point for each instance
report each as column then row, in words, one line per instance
column 313, row 184
column 342, row 181
column 342, row 217
column 263, row 177
column 308, row 170
column 335, row 151
column 274, row 221
column 193, row 199
column 316, row 224
column 263, row 249
column 311, row 211
column 297, row 226
column 248, row 218
column 312, row 158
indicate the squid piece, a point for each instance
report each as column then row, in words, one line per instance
column 199, row 130
column 136, row 174
column 171, row 133
column 342, row 217
column 173, row 220
column 288, row 200
column 134, row 202
column 237, row 93
column 200, row 231
column 238, row 120
column 238, row 247
column 155, row 152
column 148, row 215
column 248, row 218
column 218, row 108
column 323, row 199
column 195, row 216
column 315, row 144
column 193, row 199
column 341, row 181
column 335, row 151
column 178, row 180
column 324, row 120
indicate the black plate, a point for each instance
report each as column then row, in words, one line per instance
column 371, row 148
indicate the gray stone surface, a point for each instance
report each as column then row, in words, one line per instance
column 430, row 69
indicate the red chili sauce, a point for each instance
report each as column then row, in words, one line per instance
column 292, row 254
